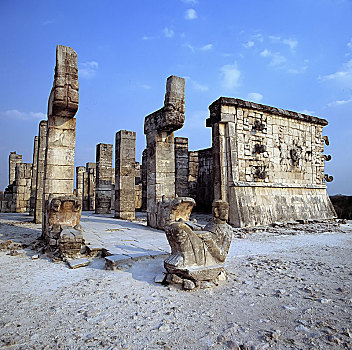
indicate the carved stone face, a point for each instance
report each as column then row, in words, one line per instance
column 220, row 212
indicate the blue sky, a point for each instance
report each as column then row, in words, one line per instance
column 292, row 54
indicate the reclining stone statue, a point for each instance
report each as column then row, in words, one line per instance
column 198, row 255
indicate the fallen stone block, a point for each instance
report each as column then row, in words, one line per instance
column 76, row 263
column 117, row 262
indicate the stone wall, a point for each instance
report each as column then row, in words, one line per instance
column 104, row 175
column 268, row 163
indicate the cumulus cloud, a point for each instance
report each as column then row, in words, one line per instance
column 168, row 32
column 191, row 14
column 339, row 102
column 255, row 96
column 88, row 69
column 276, row 59
column 343, row 76
column 190, row 2
column 16, row 114
column 248, row 44
column 290, row 42
column 207, row 47
column 230, row 76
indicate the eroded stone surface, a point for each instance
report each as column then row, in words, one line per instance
column 198, row 255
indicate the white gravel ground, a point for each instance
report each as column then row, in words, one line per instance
column 286, row 289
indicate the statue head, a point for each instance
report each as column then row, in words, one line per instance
column 220, row 211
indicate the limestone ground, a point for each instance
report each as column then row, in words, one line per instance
column 285, row 290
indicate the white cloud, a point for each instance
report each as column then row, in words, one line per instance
column 207, row 47
column 290, row 42
column 230, row 76
column 190, row 2
column 248, row 44
column 198, row 87
column 50, row 21
column 340, row 102
column 168, row 32
column 255, row 96
column 349, row 44
column 16, row 114
column 191, row 14
column 276, row 59
column 343, row 77
column 88, row 69
column 146, row 37
column 189, row 46
column 307, row 111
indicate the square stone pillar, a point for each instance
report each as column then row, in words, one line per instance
column 61, row 134
column 34, row 177
column 91, row 170
column 38, row 210
column 144, row 180
column 22, row 187
column 13, row 160
column 103, row 178
column 125, row 160
column 159, row 129
column 181, row 166
column 80, row 170
column 85, row 201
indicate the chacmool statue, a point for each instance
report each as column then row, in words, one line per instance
column 198, row 255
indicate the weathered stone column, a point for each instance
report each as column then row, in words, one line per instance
column 13, row 160
column 144, row 179
column 38, row 209
column 22, row 187
column 91, row 169
column 85, row 201
column 103, row 178
column 34, row 177
column 125, row 160
column 61, row 135
column 181, row 166
column 159, row 129
column 80, row 170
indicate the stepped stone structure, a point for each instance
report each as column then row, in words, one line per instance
column 159, row 129
column 125, row 174
column 14, row 159
column 38, row 209
column 60, row 153
column 268, row 163
column 181, row 166
column 103, row 186
column 22, row 187
column 34, row 177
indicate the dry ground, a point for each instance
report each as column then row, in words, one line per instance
column 285, row 290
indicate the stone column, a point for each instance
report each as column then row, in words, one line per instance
column 144, row 180
column 91, row 169
column 159, row 129
column 125, row 160
column 181, row 166
column 38, row 210
column 85, row 201
column 103, row 178
column 193, row 173
column 13, row 160
column 61, row 135
column 34, row 177
column 22, row 187
column 80, row 170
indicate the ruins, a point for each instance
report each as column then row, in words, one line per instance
column 103, row 186
column 197, row 254
column 159, row 129
column 34, row 176
column 61, row 210
column 268, row 163
column 125, row 162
